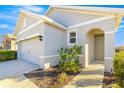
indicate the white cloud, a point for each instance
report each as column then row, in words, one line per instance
column 33, row 8
column 122, row 21
column 121, row 26
column 5, row 26
column 7, row 16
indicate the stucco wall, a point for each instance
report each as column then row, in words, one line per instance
column 33, row 45
column 54, row 40
column 35, row 30
column 108, row 26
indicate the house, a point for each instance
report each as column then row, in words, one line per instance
column 39, row 37
column 1, row 48
column 119, row 48
column 9, row 42
column 1, row 42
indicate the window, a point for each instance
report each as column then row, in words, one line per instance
column 72, row 37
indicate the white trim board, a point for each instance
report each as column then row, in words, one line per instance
column 56, row 56
column 49, row 56
column 29, row 27
column 45, row 18
column 110, row 58
column 110, row 32
column 32, row 36
column 88, row 9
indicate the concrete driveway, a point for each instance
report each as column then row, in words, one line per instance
column 14, row 68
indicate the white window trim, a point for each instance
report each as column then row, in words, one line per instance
column 68, row 36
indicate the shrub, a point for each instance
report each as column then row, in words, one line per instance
column 115, row 86
column 62, row 77
column 69, row 67
column 7, row 55
column 119, row 68
column 69, row 59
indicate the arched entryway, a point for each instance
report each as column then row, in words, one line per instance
column 95, row 41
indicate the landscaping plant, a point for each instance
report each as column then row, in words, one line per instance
column 119, row 68
column 7, row 55
column 69, row 59
column 115, row 86
column 62, row 77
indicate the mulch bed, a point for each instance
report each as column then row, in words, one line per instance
column 108, row 80
column 48, row 78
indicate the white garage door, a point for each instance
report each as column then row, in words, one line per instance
column 31, row 50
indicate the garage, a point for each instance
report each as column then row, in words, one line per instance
column 30, row 50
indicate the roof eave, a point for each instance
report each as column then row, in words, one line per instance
column 106, row 10
column 38, row 17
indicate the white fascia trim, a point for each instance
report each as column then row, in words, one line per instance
column 32, row 36
column 56, row 56
column 49, row 56
column 29, row 27
column 48, row 10
column 95, row 9
column 68, row 36
column 91, row 21
column 109, row 58
column 48, row 20
column 110, row 32
column 45, row 18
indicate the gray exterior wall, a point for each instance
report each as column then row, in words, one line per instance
column 54, row 40
column 33, row 45
column 108, row 26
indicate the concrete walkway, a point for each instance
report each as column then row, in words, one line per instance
column 91, row 77
column 17, row 82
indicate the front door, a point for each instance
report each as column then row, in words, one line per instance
column 99, row 47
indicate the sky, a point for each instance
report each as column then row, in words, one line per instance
column 9, row 15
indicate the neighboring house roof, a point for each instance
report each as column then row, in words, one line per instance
column 38, row 17
column 103, row 10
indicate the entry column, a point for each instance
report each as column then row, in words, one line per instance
column 109, row 44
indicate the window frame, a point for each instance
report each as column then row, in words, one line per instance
column 68, row 36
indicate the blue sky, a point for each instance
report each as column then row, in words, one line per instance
column 9, row 15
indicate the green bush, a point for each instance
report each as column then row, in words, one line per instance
column 115, row 86
column 119, row 68
column 69, row 59
column 62, row 77
column 7, row 55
